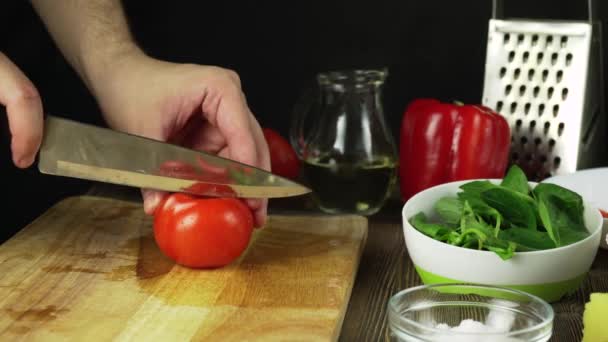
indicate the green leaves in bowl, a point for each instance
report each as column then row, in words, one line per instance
column 507, row 217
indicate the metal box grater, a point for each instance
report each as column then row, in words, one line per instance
column 546, row 78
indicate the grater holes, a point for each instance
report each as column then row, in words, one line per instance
column 546, row 127
column 518, row 124
column 528, row 157
column 541, row 109
column 549, row 40
column 555, row 110
column 551, row 143
column 545, row 75
column 511, row 56
column 516, row 73
column 569, row 59
column 554, row 58
column 532, row 125
column 530, row 74
column 534, row 40
column 537, row 142
column 539, row 58
column 527, row 107
column 556, row 162
column 522, row 90
column 506, row 38
column 543, row 158
column 549, row 93
column 536, row 91
column 563, row 42
column 523, row 140
column 513, row 107
column 560, row 129
column 525, row 57
column 564, row 94
column 559, row 76
column 503, row 72
column 520, row 39
column 499, row 106
column 508, row 90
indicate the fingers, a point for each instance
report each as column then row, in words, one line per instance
column 24, row 111
column 152, row 200
column 260, row 206
column 263, row 153
column 231, row 117
column 226, row 109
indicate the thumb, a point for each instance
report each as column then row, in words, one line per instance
column 24, row 111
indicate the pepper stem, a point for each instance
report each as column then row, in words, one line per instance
column 459, row 103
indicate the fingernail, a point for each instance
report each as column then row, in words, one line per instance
column 151, row 200
column 24, row 162
column 254, row 203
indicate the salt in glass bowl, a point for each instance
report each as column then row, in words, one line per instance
column 465, row 312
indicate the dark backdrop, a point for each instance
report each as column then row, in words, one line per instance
column 431, row 48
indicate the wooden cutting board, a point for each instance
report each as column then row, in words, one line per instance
column 89, row 269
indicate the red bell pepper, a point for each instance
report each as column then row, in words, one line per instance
column 444, row 142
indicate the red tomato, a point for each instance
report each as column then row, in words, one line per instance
column 201, row 232
column 283, row 159
column 604, row 213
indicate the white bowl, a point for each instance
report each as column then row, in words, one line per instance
column 592, row 184
column 549, row 274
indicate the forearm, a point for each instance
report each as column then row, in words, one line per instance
column 93, row 35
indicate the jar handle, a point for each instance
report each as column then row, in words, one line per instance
column 301, row 109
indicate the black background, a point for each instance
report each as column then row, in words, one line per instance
column 432, row 48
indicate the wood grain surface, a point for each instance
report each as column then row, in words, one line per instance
column 89, row 269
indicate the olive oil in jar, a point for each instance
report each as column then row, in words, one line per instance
column 359, row 187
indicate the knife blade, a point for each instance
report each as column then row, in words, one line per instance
column 73, row 149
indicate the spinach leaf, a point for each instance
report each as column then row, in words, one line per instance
column 505, row 250
column 547, row 213
column 516, row 180
column 483, row 209
column 435, row 230
column 527, row 239
column 515, row 207
column 568, row 201
column 450, row 209
column 474, row 227
column 570, row 236
column 563, row 226
column 477, row 187
column 470, row 220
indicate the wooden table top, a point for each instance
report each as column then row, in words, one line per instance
column 385, row 269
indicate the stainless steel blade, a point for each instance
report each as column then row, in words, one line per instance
column 78, row 150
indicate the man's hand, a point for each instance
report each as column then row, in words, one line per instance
column 24, row 110
column 197, row 106
column 200, row 107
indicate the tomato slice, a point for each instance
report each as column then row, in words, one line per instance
column 206, row 189
column 208, row 173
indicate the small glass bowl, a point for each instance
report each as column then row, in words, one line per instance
column 464, row 312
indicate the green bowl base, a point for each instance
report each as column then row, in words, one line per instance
column 550, row 292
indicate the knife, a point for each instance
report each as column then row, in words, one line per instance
column 78, row 150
